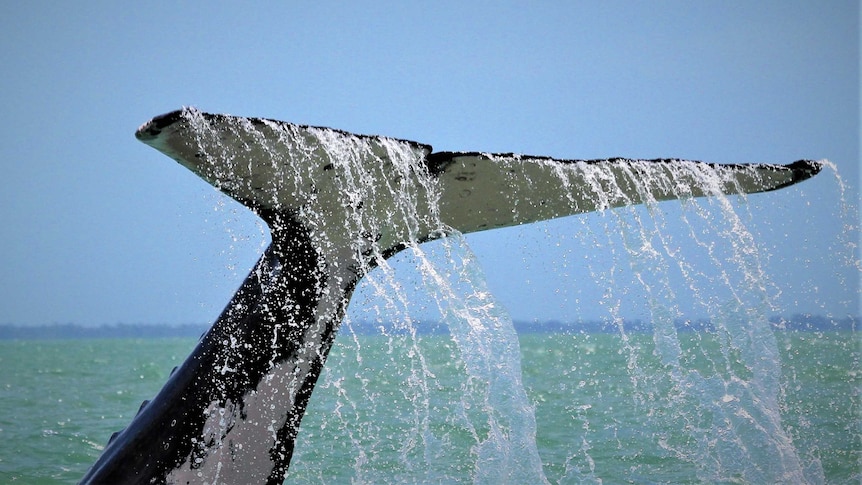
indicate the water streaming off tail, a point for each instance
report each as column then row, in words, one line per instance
column 479, row 425
column 719, row 409
column 488, row 345
column 712, row 396
column 408, row 406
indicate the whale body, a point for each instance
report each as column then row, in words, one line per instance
column 337, row 205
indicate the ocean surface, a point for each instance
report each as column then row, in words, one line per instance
column 605, row 411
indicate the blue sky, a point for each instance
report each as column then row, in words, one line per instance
column 98, row 228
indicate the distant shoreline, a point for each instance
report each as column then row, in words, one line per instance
column 804, row 323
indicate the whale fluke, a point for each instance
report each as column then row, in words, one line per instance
column 337, row 205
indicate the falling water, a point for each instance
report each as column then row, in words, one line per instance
column 411, row 407
column 728, row 414
column 486, row 339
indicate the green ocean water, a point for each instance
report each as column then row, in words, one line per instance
column 606, row 410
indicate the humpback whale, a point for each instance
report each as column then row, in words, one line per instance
column 337, row 205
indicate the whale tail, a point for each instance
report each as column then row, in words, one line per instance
column 337, row 204
column 272, row 165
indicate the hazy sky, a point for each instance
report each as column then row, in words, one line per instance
column 98, row 228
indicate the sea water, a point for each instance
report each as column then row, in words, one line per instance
column 62, row 399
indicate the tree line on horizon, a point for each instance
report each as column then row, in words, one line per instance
column 798, row 322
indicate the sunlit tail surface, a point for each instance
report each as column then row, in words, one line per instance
column 338, row 204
